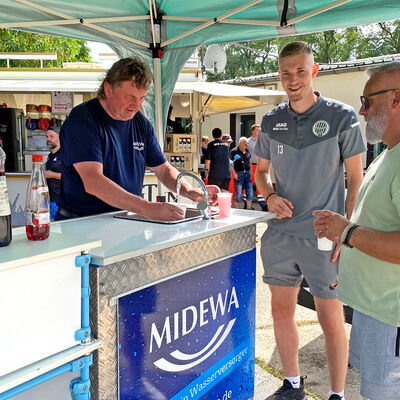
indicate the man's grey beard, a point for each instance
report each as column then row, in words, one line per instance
column 51, row 146
column 376, row 126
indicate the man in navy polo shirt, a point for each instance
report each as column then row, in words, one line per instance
column 308, row 140
column 217, row 164
column 106, row 144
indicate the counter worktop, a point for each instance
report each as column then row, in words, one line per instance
column 124, row 239
column 22, row 251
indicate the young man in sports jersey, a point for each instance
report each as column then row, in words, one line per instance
column 308, row 140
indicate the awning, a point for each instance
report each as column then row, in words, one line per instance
column 220, row 97
column 49, row 80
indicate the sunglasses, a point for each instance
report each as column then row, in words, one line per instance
column 364, row 99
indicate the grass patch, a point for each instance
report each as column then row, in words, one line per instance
column 278, row 374
column 307, row 323
column 298, row 323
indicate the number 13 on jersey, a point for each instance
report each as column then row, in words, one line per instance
column 279, row 148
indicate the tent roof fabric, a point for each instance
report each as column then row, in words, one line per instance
column 223, row 20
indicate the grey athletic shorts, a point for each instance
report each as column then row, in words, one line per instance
column 373, row 349
column 288, row 259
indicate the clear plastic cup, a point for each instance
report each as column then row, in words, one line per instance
column 325, row 244
column 224, row 204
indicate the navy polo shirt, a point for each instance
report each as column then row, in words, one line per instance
column 124, row 148
column 218, row 154
column 53, row 163
column 241, row 164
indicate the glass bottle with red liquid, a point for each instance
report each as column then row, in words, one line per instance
column 37, row 210
column 5, row 211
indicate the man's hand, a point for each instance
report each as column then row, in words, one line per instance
column 213, row 194
column 164, row 212
column 52, row 175
column 330, row 225
column 280, row 206
column 197, row 194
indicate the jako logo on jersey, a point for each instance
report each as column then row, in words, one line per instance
column 138, row 146
column 280, row 126
column 177, row 327
column 320, row 128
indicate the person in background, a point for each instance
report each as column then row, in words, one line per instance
column 227, row 139
column 173, row 126
column 369, row 267
column 204, row 143
column 308, row 140
column 217, row 163
column 241, row 171
column 255, row 129
column 106, row 145
column 53, row 168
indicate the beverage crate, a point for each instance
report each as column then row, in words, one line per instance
column 181, row 161
column 180, row 143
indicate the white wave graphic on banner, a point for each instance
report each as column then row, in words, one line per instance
column 168, row 366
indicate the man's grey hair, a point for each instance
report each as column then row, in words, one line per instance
column 243, row 139
column 387, row 68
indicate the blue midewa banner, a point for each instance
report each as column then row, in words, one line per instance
column 191, row 337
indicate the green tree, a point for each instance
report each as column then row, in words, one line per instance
column 378, row 39
column 254, row 58
column 67, row 49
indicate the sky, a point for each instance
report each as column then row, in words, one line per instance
column 96, row 48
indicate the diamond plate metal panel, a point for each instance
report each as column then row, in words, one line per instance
column 124, row 276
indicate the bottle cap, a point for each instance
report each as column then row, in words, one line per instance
column 37, row 157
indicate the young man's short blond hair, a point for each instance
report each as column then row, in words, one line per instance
column 294, row 48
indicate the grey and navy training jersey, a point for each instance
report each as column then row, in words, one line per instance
column 307, row 152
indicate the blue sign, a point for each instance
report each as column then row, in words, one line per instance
column 191, row 337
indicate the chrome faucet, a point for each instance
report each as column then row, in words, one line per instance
column 202, row 206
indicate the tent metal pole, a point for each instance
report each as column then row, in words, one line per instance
column 158, row 109
column 211, row 22
column 95, row 27
column 318, row 11
column 74, row 21
column 225, row 21
column 153, row 35
column 196, row 126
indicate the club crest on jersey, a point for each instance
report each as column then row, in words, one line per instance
column 320, row 128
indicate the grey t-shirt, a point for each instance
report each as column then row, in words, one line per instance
column 307, row 152
column 251, row 146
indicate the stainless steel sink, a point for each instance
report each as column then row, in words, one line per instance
column 191, row 214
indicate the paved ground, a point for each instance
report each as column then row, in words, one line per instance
column 311, row 353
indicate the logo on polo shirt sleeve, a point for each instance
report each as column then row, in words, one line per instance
column 320, row 128
column 138, row 146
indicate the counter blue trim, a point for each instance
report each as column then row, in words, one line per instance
column 82, row 363
column 83, row 262
column 79, row 388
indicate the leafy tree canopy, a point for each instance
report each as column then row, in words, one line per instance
column 260, row 57
column 67, row 49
